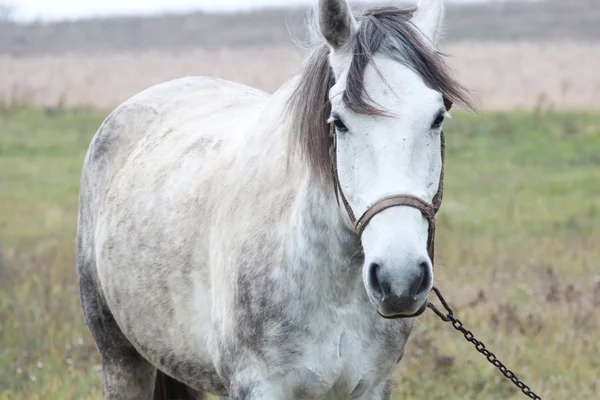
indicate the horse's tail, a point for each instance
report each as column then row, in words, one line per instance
column 167, row 388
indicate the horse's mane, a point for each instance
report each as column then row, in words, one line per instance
column 382, row 30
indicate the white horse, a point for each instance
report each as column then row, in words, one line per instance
column 222, row 231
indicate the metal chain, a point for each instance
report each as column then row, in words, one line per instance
column 458, row 325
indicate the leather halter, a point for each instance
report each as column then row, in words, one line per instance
column 429, row 211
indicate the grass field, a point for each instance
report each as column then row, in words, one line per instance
column 518, row 256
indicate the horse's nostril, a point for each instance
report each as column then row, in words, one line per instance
column 380, row 286
column 421, row 279
column 426, row 277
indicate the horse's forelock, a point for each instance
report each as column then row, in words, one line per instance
column 382, row 30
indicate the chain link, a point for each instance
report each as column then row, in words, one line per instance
column 491, row 357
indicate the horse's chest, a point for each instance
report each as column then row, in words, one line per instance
column 349, row 360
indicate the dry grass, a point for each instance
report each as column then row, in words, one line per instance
column 529, row 76
column 503, row 76
column 103, row 81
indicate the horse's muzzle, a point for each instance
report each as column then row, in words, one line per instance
column 400, row 297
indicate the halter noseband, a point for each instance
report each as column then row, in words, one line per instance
column 429, row 211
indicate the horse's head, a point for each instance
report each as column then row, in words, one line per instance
column 388, row 104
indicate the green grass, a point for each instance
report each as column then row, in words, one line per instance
column 520, row 224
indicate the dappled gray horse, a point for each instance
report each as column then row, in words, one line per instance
column 222, row 231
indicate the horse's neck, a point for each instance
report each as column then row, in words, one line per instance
column 322, row 250
column 322, row 256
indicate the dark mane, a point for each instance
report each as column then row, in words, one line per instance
column 384, row 30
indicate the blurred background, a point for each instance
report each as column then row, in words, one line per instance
column 519, row 237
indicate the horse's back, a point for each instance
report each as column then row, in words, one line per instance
column 186, row 108
column 144, row 196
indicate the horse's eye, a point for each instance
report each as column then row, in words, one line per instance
column 438, row 121
column 339, row 125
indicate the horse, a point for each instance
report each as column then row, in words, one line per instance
column 270, row 246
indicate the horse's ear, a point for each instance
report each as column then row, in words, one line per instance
column 428, row 18
column 336, row 22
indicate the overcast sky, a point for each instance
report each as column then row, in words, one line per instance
column 61, row 9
